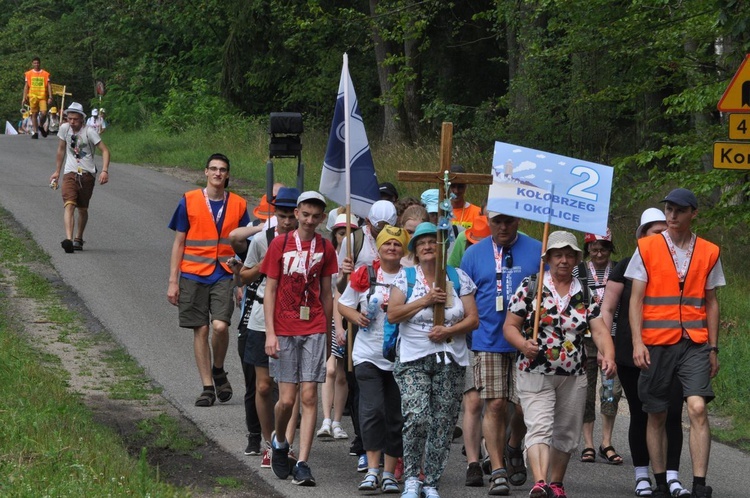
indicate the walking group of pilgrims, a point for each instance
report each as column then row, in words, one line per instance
column 312, row 301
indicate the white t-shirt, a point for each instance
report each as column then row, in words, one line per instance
column 255, row 253
column 367, row 254
column 368, row 345
column 413, row 341
column 79, row 148
column 637, row 270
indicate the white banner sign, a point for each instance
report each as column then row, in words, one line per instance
column 542, row 186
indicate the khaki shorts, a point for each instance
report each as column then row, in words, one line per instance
column 78, row 189
column 495, row 375
column 201, row 303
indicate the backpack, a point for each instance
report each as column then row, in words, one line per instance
column 390, row 330
column 533, row 289
column 251, row 290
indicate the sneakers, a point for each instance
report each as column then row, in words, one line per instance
column 253, row 444
column 339, row 433
column 474, row 475
column 280, row 460
column 430, row 492
column 398, row 473
column 67, row 246
column 324, row 431
column 35, row 136
column 265, row 460
column 540, row 490
column 412, row 488
column 371, row 482
column 487, row 465
column 362, row 463
column 301, row 475
column 558, row 490
column 702, row 491
column 499, row 483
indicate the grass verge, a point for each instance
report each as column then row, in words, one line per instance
column 76, row 412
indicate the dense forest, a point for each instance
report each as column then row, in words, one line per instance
column 633, row 84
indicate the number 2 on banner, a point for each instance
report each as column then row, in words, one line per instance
column 579, row 189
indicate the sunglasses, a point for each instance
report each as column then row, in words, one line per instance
column 508, row 259
column 74, row 146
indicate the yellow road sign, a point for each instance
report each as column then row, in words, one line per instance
column 59, row 90
column 732, row 155
column 739, row 126
column 736, row 97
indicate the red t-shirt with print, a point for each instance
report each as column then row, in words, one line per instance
column 298, row 280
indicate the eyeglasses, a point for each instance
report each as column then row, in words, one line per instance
column 214, row 169
column 602, row 250
column 424, row 242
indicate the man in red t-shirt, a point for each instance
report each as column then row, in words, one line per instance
column 298, row 268
column 37, row 93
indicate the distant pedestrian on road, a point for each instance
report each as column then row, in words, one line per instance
column 76, row 151
column 200, row 280
column 298, row 304
column 37, row 93
column 674, row 320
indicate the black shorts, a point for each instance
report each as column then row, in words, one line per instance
column 687, row 361
column 255, row 349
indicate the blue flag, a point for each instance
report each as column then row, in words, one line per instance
column 354, row 181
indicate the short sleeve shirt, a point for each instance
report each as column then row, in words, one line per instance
column 561, row 332
column 79, row 148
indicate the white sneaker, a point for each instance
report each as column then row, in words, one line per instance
column 430, row 492
column 412, row 488
column 338, row 432
column 325, row 431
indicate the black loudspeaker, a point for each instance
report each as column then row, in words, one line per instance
column 285, row 129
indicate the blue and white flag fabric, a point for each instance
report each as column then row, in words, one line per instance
column 542, row 186
column 351, row 181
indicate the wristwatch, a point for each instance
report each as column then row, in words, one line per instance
column 714, row 348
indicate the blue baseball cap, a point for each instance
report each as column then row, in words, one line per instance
column 430, row 200
column 682, row 197
column 424, row 228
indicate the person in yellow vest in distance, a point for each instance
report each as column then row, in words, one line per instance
column 464, row 212
column 37, row 93
column 674, row 320
column 200, row 275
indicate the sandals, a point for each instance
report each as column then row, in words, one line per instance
column 207, row 398
column 369, row 483
column 679, row 491
column 643, row 491
column 613, row 459
column 78, row 244
column 588, row 455
column 389, row 485
column 499, row 483
column 515, row 465
column 223, row 387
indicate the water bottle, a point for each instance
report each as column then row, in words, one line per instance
column 608, row 387
column 372, row 307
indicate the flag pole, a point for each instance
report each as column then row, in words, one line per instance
column 348, row 193
column 540, row 280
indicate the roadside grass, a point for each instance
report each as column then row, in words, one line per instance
column 50, row 443
column 246, row 144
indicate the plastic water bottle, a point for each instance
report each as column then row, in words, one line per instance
column 608, row 389
column 372, row 307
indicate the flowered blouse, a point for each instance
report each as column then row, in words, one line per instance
column 560, row 338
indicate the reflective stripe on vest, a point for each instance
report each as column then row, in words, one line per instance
column 668, row 307
column 204, row 247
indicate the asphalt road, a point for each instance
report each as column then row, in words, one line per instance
column 122, row 277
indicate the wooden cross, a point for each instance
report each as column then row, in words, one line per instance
column 446, row 144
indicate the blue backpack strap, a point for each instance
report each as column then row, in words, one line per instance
column 411, row 279
column 453, row 276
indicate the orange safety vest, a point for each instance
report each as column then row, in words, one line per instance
column 669, row 307
column 204, row 246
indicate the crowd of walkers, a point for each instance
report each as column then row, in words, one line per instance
column 521, row 350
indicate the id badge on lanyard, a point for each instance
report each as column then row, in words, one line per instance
column 304, row 310
column 499, row 297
